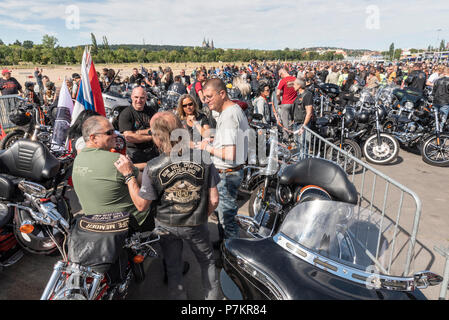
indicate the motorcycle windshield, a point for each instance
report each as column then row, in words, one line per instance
column 343, row 232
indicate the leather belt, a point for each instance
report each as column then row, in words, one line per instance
column 231, row 169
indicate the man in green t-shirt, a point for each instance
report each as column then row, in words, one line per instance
column 99, row 186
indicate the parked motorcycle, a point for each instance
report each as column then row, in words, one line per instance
column 33, row 183
column 435, row 148
column 285, row 185
column 98, row 272
column 32, row 123
column 322, row 250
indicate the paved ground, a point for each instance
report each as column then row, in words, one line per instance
column 26, row 279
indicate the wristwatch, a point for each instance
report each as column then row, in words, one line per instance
column 149, row 132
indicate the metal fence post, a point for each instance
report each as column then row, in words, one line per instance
column 445, row 253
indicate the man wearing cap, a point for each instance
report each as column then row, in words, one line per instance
column 8, row 84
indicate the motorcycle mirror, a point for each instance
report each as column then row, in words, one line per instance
column 424, row 279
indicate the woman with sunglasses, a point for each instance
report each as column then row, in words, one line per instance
column 192, row 119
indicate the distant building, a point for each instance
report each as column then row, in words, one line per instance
column 207, row 44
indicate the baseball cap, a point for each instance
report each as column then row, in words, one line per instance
column 76, row 76
column 6, row 71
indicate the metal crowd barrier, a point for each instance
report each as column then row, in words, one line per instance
column 394, row 209
column 7, row 104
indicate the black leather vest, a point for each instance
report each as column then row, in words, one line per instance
column 182, row 187
column 441, row 91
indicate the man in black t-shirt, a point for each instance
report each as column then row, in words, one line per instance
column 417, row 78
column 136, row 77
column 303, row 114
column 9, row 85
column 134, row 123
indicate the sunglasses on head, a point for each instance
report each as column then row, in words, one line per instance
column 108, row 133
column 190, row 104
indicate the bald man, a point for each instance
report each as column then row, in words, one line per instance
column 134, row 123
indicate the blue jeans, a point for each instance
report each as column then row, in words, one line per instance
column 198, row 239
column 227, row 205
column 444, row 109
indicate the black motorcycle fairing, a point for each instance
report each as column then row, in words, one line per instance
column 30, row 160
column 294, row 278
column 322, row 173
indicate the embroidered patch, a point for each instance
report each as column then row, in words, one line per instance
column 173, row 170
column 109, row 222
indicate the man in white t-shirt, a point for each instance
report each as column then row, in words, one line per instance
column 228, row 152
column 435, row 76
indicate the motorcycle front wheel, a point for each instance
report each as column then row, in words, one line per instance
column 435, row 151
column 383, row 153
column 255, row 201
column 351, row 147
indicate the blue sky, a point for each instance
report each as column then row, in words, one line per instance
column 255, row 24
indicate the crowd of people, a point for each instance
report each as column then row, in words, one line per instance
column 180, row 195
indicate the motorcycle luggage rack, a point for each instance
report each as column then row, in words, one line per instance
column 399, row 208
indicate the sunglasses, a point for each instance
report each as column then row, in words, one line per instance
column 108, row 133
column 190, row 104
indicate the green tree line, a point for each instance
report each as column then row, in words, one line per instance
column 48, row 52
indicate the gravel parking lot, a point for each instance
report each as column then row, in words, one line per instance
column 27, row 279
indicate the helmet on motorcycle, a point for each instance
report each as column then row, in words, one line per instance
column 349, row 116
column 363, row 117
column 38, row 240
column 19, row 117
column 311, row 192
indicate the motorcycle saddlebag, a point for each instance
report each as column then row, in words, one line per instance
column 8, row 186
column 97, row 240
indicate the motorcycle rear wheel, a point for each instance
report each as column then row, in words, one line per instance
column 384, row 153
column 436, row 154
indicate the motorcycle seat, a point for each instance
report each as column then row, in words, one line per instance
column 322, row 173
column 30, row 160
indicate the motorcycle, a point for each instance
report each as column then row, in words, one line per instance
column 33, row 183
column 32, row 122
column 422, row 131
column 285, row 185
column 435, row 148
column 366, row 128
column 322, row 250
column 82, row 275
column 334, row 128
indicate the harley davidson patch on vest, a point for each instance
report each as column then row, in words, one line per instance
column 173, row 170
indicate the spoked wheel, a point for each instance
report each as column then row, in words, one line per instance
column 351, row 147
column 383, row 153
column 10, row 138
column 435, row 151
